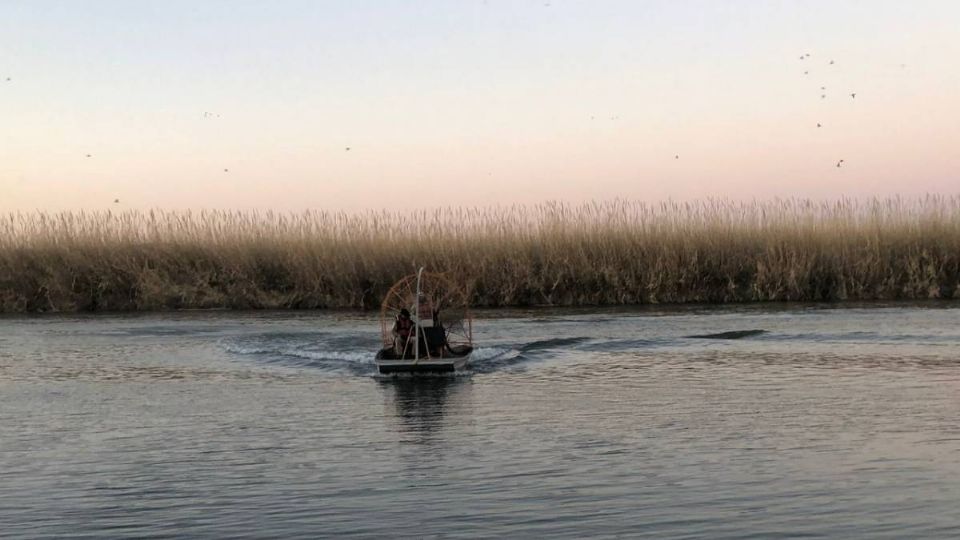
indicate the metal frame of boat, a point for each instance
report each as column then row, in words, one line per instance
column 431, row 350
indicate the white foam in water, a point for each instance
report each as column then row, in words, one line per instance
column 492, row 358
column 482, row 354
column 235, row 349
column 337, row 356
column 303, row 355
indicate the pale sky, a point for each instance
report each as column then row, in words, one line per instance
column 472, row 102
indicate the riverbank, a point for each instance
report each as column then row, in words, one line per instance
column 612, row 253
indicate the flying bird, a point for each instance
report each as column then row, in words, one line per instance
column 347, row 149
column 831, row 62
column 853, row 95
column 818, row 124
column 806, row 72
column 226, row 170
column 115, row 201
column 89, row 155
column 838, row 163
column 676, row 156
column 823, row 96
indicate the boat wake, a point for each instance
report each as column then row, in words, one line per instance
column 339, row 354
column 521, row 356
column 354, row 355
column 735, row 334
column 314, row 350
column 553, row 343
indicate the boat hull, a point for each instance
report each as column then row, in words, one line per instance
column 388, row 363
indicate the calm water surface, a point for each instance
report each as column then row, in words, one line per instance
column 801, row 421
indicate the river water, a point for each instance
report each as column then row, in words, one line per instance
column 794, row 420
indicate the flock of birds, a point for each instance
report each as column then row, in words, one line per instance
column 823, row 95
column 803, row 57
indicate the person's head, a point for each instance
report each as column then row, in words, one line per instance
column 404, row 313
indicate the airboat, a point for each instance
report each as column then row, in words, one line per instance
column 440, row 339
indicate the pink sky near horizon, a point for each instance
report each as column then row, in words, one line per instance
column 472, row 103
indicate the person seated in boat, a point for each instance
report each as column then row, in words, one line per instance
column 436, row 336
column 403, row 329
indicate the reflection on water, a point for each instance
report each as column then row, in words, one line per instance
column 420, row 405
column 419, row 402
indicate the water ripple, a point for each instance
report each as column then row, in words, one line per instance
column 831, row 423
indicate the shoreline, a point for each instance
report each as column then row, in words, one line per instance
column 509, row 311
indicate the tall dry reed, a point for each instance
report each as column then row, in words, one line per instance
column 617, row 252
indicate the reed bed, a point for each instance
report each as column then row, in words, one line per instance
column 615, row 252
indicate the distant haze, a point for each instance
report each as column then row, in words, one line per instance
column 382, row 104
